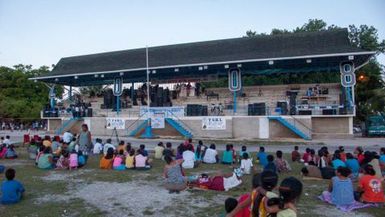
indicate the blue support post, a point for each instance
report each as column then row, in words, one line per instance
column 117, row 105
column 235, row 102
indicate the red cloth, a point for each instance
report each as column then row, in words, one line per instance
column 295, row 156
column 306, row 157
column 217, row 184
column 360, row 158
column 246, row 211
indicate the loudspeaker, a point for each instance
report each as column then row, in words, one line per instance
column 283, row 106
column 293, row 103
column 304, row 112
column 329, row 112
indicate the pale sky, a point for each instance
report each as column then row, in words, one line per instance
column 40, row 32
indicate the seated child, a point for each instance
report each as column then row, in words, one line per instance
column 45, row 159
column 3, row 150
column 121, row 147
column 230, row 204
column 270, row 165
column 118, row 163
column 340, row 190
column 227, row 157
column 189, row 158
column 281, row 164
column 130, row 159
column 74, row 161
column 246, row 163
column 143, row 150
column 159, row 150
column 63, row 162
column 107, row 160
column 199, row 151
column 12, row 190
column 98, row 147
column 262, row 157
column 141, row 161
column 337, row 162
column 289, row 192
column 243, row 150
column 168, row 151
column 352, row 164
column 295, row 155
column 11, row 153
column 370, row 187
column 210, row 155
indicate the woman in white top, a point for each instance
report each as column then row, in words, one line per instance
column 210, row 155
column 189, row 158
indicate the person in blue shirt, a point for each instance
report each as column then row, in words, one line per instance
column 227, row 157
column 270, row 165
column 382, row 155
column 352, row 164
column 262, row 157
column 12, row 190
column 337, row 162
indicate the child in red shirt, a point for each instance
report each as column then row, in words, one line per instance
column 370, row 186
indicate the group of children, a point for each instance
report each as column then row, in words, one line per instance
column 7, row 149
column 54, row 153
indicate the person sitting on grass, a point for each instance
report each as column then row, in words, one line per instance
column 337, row 162
column 173, row 173
column 107, row 146
column 12, row 190
column 260, row 195
column 230, row 204
column 359, row 152
column 199, row 151
column 143, row 150
column 262, row 157
column 227, row 157
column 306, row 156
column 107, row 160
column 63, row 162
column 281, row 164
column 98, row 147
column 168, row 151
column 189, row 158
column 142, row 162
column 11, row 153
column 289, row 192
column 74, row 161
column 159, row 150
column 295, row 155
column 352, row 164
column 270, row 165
column 3, row 150
column 130, row 159
column 246, row 164
column 210, row 155
column 242, row 151
column 342, row 153
column 370, row 188
column 179, row 151
column 119, row 160
column 340, row 191
column 121, row 146
column 45, row 160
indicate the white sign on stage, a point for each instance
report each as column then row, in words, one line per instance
column 213, row 123
column 169, row 112
column 115, row 123
column 157, row 120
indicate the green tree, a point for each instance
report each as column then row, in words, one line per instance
column 21, row 98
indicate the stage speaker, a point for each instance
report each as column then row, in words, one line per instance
column 283, row 106
column 304, row 112
column 329, row 112
column 293, row 104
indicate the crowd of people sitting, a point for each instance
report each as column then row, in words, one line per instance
column 366, row 169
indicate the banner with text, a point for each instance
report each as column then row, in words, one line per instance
column 169, row 112
column 157, row 120
column 213, row 123
column 118, row 123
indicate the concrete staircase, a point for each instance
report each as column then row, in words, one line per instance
column 291, row 126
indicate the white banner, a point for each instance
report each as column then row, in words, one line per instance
column 118, row 123
column 169, row 112
column 213, row 123
column 157, row 120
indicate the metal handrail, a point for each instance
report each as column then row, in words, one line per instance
column 135, row 122
column 303, row 124
column 184, row 124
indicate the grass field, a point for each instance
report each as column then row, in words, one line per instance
column 93, row 192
